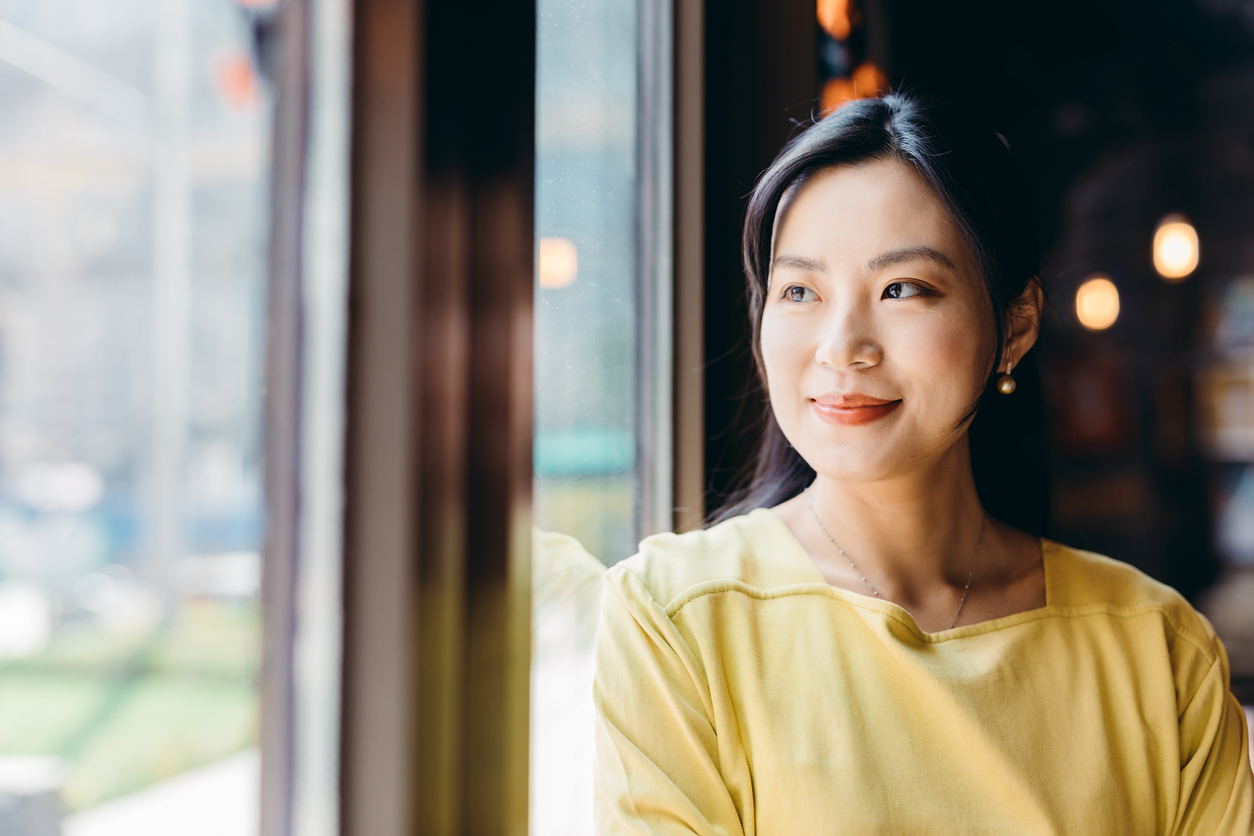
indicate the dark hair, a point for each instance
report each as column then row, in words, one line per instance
column 971, row 170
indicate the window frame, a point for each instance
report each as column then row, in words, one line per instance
column 434, row 538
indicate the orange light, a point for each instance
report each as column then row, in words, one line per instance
column 1175, row 248
column 559, row 262
column 836, row 92
column 236, row 82
column 867, row 81
column 1097, row 303
column 834, row 18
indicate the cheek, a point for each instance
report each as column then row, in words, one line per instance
column 785, row 351
column 945, row 357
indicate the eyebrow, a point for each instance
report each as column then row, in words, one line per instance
column 810, row 265
column 895, row 257
column 888, row 259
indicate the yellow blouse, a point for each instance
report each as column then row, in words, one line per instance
column 739, row 693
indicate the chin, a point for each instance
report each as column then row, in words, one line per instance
column 868, row 453
column 852, row 465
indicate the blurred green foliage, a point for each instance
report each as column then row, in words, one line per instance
column 126, row 710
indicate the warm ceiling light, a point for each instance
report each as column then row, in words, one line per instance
column 1175, row 248
column 868, row 81
column 1097, row 303
column 559, row 263
column 836, row 92
column 834, row 17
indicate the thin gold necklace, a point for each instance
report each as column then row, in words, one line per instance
column 871, row 586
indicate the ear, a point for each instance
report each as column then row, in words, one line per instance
column 1025, row 323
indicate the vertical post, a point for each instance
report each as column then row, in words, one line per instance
column 305, row 405
column 171, row 264
column 324, row 280
column 689, row 260
column 474, row 454
column 283, row 424
column 655, row 325
column 437, row 506
column 383, row 432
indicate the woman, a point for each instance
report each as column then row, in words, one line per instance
column 878, row 646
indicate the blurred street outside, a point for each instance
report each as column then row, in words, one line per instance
column 216, row 800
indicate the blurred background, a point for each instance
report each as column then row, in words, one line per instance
column 134, row 196
column 136, row 156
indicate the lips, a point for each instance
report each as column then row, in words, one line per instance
column 853, row 408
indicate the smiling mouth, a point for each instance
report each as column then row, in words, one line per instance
column 853, row 410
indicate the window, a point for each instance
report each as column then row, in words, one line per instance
column 602, row 448
column 602, row 379
column 133, row 215
column 174, row 322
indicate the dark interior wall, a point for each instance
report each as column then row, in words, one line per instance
column 760, row 82
column 1065, row 80
column 1121, row 113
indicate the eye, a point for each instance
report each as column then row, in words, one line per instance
column 903, row 290
column 797, row 293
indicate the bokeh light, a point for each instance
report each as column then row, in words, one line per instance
column 866, row 82
column 834, row 18
column 559, row 262
column 1176, row 248
column 1097, row 303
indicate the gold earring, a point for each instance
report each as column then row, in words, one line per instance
column 1006, row 384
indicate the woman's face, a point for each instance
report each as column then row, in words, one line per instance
column 877, row 332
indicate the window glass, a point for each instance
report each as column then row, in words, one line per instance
column 133, row 199
column 586, row 306
column 601, row 449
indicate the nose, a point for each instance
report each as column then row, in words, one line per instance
column 848, row 339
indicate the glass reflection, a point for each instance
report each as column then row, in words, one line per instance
column 588, row 328
column 585, row 362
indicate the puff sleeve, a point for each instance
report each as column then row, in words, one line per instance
column 1216, row 786
column 657, row 767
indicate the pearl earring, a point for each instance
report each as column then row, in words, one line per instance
column 1006, row 384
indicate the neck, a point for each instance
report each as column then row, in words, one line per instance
column 911, row 532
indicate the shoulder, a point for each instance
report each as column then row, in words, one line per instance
column 560, row 555
column 560, row 568
column 755, row 550
column 1086, row 582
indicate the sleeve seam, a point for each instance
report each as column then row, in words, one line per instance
column 653, row 602
column 1201, row 682
column 698, row 674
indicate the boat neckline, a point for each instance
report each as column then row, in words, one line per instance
column 899, row 613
